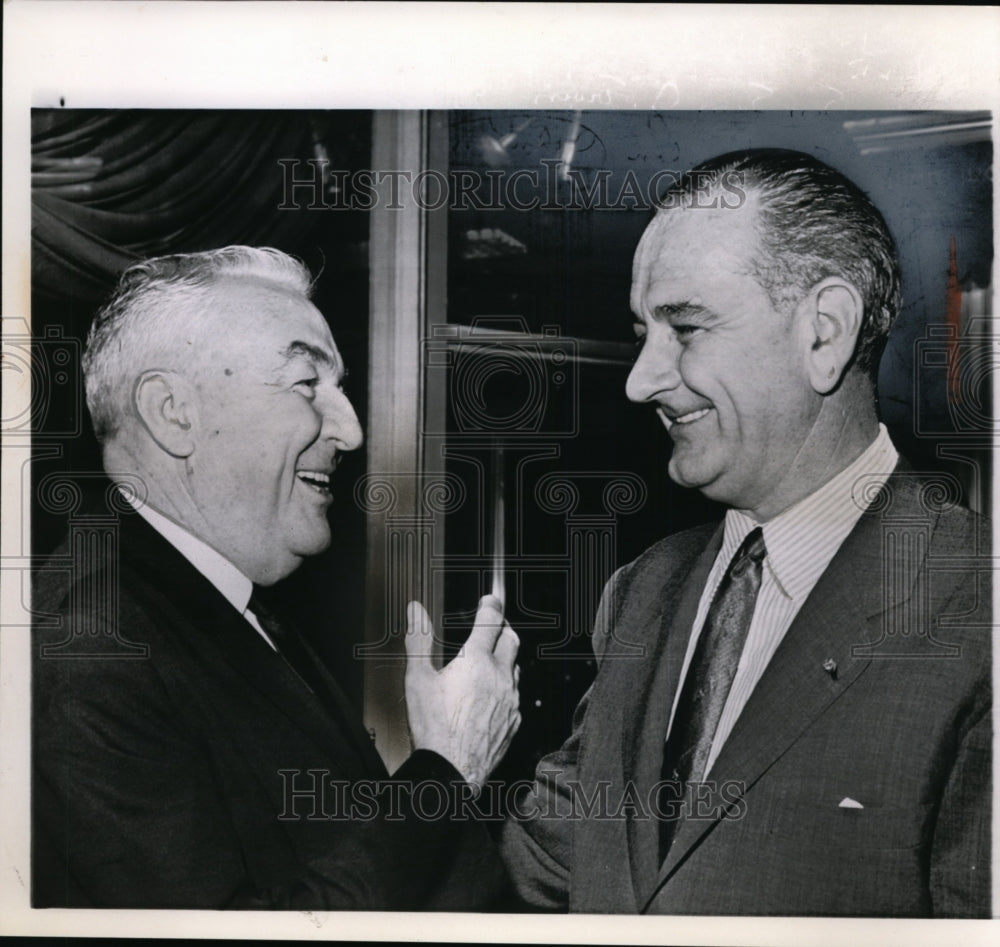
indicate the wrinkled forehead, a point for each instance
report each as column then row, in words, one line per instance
column 682, row 241
column 260, row 303
column 256, row 319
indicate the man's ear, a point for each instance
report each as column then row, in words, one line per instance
column 167, row 406
column 832, row 317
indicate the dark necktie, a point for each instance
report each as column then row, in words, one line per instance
column 289, row 646
column 710, row 674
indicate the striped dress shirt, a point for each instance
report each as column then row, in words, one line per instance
column 800, row 542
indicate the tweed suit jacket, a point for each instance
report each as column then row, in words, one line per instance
column 855, row 782
column 205, row 774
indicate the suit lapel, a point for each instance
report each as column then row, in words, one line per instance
column 843, row 613
column 345, row 711
column 665, row 624
column 216, row 631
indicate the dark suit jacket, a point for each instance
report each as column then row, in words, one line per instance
column 902, row 727
column 158, row 781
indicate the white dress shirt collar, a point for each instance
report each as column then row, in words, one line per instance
column 802, row 540
column 232, row 584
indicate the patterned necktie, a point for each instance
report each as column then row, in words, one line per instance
column 710, row 674
column 289, row 645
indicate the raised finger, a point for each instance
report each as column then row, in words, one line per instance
column 488, row 625
column 506, row 646
column 419, row 636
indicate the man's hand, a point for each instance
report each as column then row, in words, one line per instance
column 468, row 711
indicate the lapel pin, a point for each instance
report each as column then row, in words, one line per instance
column 830, row 666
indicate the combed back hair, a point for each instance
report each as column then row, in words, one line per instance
column 813, row 223
column 157, row 312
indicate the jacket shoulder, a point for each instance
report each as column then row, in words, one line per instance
column 644, row 577
column 669, row 553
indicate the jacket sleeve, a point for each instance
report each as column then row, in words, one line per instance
column 960, row 856
column 125, row 810
column 960, row 852
column 129, row 811
column 537, row 839
column 423, row 849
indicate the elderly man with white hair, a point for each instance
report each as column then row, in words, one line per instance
column 210, row 772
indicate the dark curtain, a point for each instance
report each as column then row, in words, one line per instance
column 111, row 187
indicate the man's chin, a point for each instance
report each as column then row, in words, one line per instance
column 686, row 475
column 698, row 478
column 294, row 558
column 312, row 545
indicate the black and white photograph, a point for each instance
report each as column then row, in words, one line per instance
column 509, row 510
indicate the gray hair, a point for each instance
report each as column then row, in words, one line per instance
column 159, row 305
column 813, row 223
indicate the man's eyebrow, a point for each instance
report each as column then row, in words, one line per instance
column 317, row 354
column 682, row 310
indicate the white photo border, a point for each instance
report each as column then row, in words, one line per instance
column 313, row 55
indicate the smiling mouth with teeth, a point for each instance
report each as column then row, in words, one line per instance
column 689, row 418
column 318, row 480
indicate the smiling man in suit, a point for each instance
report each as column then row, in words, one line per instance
column 808, row 728
column 208, row 764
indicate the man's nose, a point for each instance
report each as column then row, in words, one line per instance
column 655, row 370
column 341, row 423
